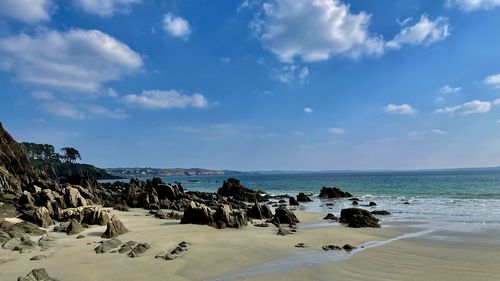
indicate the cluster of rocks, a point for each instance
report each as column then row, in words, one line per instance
column 131, row 248
column 333, row 192
column 355, row 217
column 38, row 274
column 18, row 237
column 346, row 248
column 177, row 252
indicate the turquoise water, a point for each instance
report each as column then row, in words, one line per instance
column 444, row 200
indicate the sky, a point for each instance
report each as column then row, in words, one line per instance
column 255, row 84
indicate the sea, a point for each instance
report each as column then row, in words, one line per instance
column 454, row 200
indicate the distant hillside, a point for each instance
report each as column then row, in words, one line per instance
column 57, row 170
column 162, row 172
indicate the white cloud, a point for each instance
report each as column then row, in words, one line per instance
column 106, row 8
column 473, row 5
column 308, row 110
column 496, row 102
column 468, row 108
column 159, row 99
column 63, row 109
column 291, row 73
column 76, row 60
column 399, row 109
column 42, row 95
column 81, row 111
column 447, row 89
column 337, row 131
column 424, row 32
column 493, row 80
column 426, row 133
column 28, row 11
column 314, row 30
column 176, row 26
column 439, row 100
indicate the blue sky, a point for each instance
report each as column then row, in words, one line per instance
column 255, row 84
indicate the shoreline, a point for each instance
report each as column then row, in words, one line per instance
column 230, row 253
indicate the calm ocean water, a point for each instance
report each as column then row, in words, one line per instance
column 451, row 200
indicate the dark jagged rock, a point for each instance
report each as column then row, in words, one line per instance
column 38, row 274
column 333, row 192
column 355, row 203
column 233, row 188
column 127, row 247
column 107, row 245
column 372, row 204
column 261, row 225
column 381, row 213
column 354, row 199
column 293, row 202
column 330, row 216
column 284, row 232
column 179, row 250
column 357, row 218
column 348, row 247
column 285, row 216
column 39, row 216
column 224, row 217
column 260, row 212
column 197, row 213
column 138, row 250
column 163, row 215
column 38, row 257
column 300, row 245
column 331, row 248
column 114, row 228
column 302, row 197
column 74, row 227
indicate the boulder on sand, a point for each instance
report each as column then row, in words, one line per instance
column 293, row 202
column 357, row 218
column 114, row 228
column 260, row 211
column 225, row 216
column 284, row 216
column 197, row 213
column 74, row 227
column 333, row 192
column 38, row 274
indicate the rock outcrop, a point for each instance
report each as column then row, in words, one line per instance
column 302, row 197
column 333, row 192
column 74, row 227
column 260, row 212
column 224, row 216
column 38, row 274
column 357, row 218
column 114, row 228
column 284, row 216
column 233, row 188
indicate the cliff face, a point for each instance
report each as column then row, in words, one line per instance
column 15, row 168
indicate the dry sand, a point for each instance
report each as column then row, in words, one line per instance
column 258, row 252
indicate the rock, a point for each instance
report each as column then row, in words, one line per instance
column 12, row 243
column 372, row 204
column 38, row 257
column 179, row 250
column 224, row 216
column 139, row 250
column 348, row 247
column 72, row 198
column 285, row 216
column 39, row 274
column 80, row 236
column 293, row 202
column 282, row 201
column 233, row 188
column 107, row 245
column 357, row 218
column 331, row 248
column 62, row 227
column 355, row 203
column 28, row 228
column 173, row 215
column 197, row 213
column 406, row 203
column 354, row 199
column 46, row 243
column 329, row 204
column 127, row 247
column 74, row 227
column 26, row 246
column 333, row 192
column 114, row 228
column 121, row 207
column 330, row 216
column 260, row 211
column 300, row 245
column 381, row 213
column 303, row 198
column 261, row 225
column 4, row 237
column 40, row 216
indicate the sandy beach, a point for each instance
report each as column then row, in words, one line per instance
column 255, row 253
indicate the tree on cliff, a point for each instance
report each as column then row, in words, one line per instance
column 70, row 154
column 44, row 152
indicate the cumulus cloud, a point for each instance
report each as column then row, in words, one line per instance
column 81, row 111
column 447, row 89
column 159, row 99
column 76, row 60
column 493, row 80
column 399, row 109
column 337, row 131
column 28, row 11
column 468, row 108
column 314, row 30
column 473, row 5
column 291, row 73
column 424, row 32
column 106, row 8
column 308, row 110
column 176, row 26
